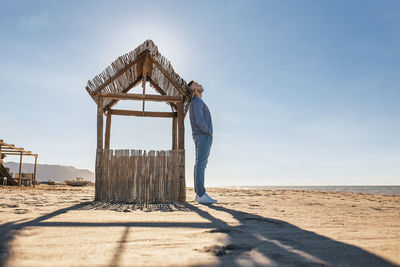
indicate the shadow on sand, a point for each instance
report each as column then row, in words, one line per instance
column 277, row 242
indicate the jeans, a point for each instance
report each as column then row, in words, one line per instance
column 203, row 145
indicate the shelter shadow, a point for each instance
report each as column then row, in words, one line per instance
column 276, row 242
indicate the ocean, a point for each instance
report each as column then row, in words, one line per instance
column 384, row 190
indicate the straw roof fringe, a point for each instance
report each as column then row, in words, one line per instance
column 129, row 76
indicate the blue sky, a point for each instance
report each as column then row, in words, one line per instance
column 301, row 92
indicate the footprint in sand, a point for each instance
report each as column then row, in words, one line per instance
column 9, row 206
column 228, row 249
column 21, row 211
column 260, row 219
column 28, row 233
column 223, row 230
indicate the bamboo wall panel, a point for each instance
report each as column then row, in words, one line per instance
column 140, row 176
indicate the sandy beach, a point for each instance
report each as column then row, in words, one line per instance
column 62, row 226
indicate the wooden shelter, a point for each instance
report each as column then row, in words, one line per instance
column 10, row 149
column 130, row 175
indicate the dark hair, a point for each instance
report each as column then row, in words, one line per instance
column 190, row 83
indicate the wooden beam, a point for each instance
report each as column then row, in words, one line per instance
column 142, row 114
column 130, row 86
column 144, row 97
column 119, row 73
column 167, row 76
column 144, row 77
column 20, row 170
column 161, row 91
column 12, row 147
column 100, row 124
column 174, row 135
column 108, row 131
column 12, row 150
column 16, row 153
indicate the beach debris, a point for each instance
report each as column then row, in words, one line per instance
column 77, row 182
column 21, row 211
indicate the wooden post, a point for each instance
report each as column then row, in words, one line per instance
column 100, row 124
column 20, row 169
column 108, row 130
column 181, row 127
column 174, row 135
column 99, row 152
column 181, row 147
column 34, row 172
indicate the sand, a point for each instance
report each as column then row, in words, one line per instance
column 62, row 226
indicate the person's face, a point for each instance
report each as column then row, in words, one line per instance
column 198, row 87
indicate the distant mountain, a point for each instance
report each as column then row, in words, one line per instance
column 45, row 172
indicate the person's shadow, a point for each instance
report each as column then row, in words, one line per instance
column 279, row 243
column 255, row 241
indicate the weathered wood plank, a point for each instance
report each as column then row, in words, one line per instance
column 144, row 78
column 99, row 150
column 12, row 148
column 100, row 124
column 161, row 91
column 34, row 172
column 157, row 176
column 181, row 127
column 108, row 131
column 146, row 97
column 129, row 87
column 15, row 153
column 170, row 173
column 182, row 180
column 20, row 170
column 174, row 132
column 142, row 114
column 174, row 178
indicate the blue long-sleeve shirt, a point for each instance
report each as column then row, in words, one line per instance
column 200, row 117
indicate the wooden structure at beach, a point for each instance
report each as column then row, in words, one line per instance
column 26, row 179
column 135, row 175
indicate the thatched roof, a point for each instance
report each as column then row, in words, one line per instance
column 127, row 71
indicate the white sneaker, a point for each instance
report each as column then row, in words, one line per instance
column 205, row 199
